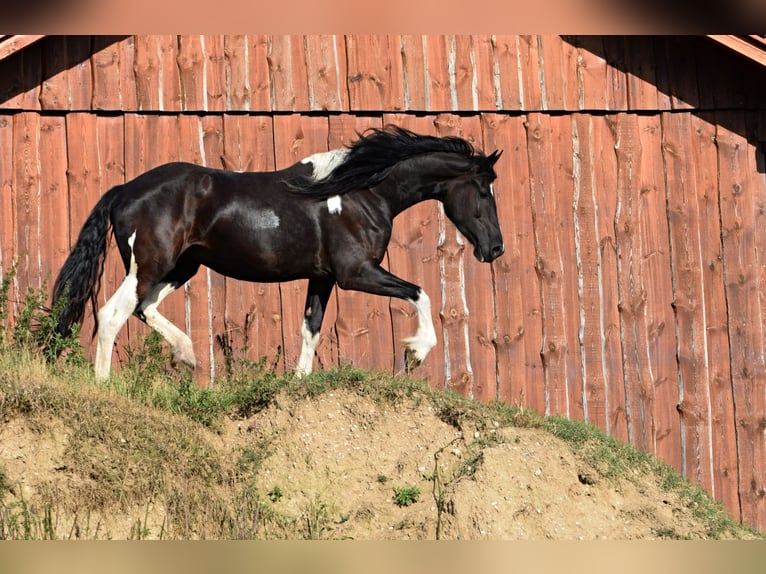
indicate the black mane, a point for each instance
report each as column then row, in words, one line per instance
column 371, row 158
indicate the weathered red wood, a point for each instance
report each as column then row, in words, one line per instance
column 54, row 91
column 23, row 76
column 632, row 288
column 107, row 74
column 717, row 397
column 128, row 82
column 375, row 76
column 79, row 77
column 742, row 195
column 589, row 285
column 657, row 315
column 484, row 71
column 681, row 62
column 641, row 72
column 516, row 288
column 414, row 62
column 191, row 67
column 158, row 85
column 236, row 52
column 26, row 183
column 287, row 66
column 569, row 67
column 413, row 256
column 53, row 229
column 604, row 190
column 439, row 82
column 260, row 87
column 508, row 65
column 296, row 137
column 215, row 73
column 530, row 86
column 686, row 225
column 326, row 70
column 550, row 51
column 616, row 80
column 552, row 193
column 462, row 63
column 363, row 325
column 591, row 73
column 7, row 209
column 252, row 327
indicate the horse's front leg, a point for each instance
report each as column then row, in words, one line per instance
column 316, row 302
column 378, row 281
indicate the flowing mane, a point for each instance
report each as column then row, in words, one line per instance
column 370, row 159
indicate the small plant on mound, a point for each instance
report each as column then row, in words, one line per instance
column 406, row 495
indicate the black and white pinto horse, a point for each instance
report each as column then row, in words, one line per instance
column 327, row 218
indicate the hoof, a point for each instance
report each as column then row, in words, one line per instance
column 411, row 360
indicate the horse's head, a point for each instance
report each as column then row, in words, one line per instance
column 469, row 202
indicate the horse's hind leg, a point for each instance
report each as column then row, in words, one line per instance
column 113, row 315
column 318, row 294
column 183, row 352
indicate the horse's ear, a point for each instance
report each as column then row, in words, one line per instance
column 494, row 156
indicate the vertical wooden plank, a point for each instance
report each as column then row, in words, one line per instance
column 508, row 66
column 252, row 323
column 517, row 296
column 375, row 76
column 655, row 267
column 590, row 272
column 128, row 80
column 236, row 51
column 191, row 65
column 54, row 91
column 464, row 73
column 552, row 196
column 108, row 75
column 720, row 427
column 484, row 71
column 326, row 70
column 687, row 225
column 641, row 73
column 79, row 76
column 22, row 78
column 604, row 197
column 413, row 256
column 7, row 208
column 414, row 66
column 681, row 61
column 439, row 82
column 296, row 137
column 26, row 182
column 215, row 73
column 53, row 225
column 147, row 72
column 742, row 195
column 530, row 80
column 592, row 72
column 551, row 68
column 287, row 68
column 259, row 79
column 616, row 80
column 569, row 66
column 631, row 285
column 363, row 325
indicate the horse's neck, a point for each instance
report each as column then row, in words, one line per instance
column 418, row 181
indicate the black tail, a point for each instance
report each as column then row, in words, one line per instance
column 80, row 277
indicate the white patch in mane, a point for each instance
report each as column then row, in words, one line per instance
column 324, row 162
column 334, row 204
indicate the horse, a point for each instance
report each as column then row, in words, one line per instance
column 327, row 218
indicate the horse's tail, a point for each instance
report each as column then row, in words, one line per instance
column 80, row 277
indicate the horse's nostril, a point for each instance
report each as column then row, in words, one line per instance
column 497, row 251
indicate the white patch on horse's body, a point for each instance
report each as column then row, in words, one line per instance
column 325, row 162
column 264, row 219
column 424, row 338
column 334, row 204
column 310, row 342
column 113, row 315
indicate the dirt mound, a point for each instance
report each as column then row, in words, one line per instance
column 342, row 465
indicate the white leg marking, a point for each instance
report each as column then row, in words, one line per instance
column 335, row 204
column 176, row 338
column 113, row 315
column 325, row 162
column 306, row 362
column 424, row 338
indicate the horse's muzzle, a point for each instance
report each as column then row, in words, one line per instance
column 492, row 254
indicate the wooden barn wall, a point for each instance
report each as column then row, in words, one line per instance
column 631, row 192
